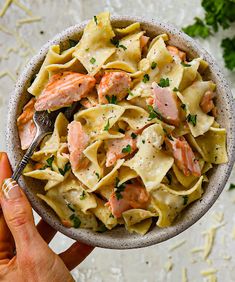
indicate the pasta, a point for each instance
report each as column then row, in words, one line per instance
column 139, row 149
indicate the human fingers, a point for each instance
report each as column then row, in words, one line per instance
column 46, row 231
column 74, row 255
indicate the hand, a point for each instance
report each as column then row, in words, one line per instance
column 34, row 260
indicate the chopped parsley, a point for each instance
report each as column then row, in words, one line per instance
column 183, row 106
column 97, row 174
column 198, row 28
column 164, row 82
column 67, row 167
column 192, row 119
column 169, row 178
column 175, row 89
column 185, row 65
column 185, row 200
column 112, row 99
column 228, row 46
column 70, row 206
column 145, row 78
column 143, row 141
column 129, row 92
column 121, row 130
column 76, row 221
column 153, row 65
column 92, row 60
column 72, row 43
column 153, row 113
column 83, row 195
column 168, row 135
column 127, row 149
column 119, row 188
column 231, row 186
column 133, row 135
column 106, row 127
column 95, row 20
column 49, row 163
column 116, row 43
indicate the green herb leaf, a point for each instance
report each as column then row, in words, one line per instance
column 112, row 99
column 72, row 43
column 66, row 168
column 50, row 161
column 127, row 149
column 175, row 89
column 122, row 46
column 164, row 82
column 119, row 188
column 92, row 60
column 95, row 20
column 231, row 187
column 185, row 65
column 197, row 29
column 106, row 128
column 143, row 141
column 83, row 195
column 76, row 221
column 228, row 46
column 101, row 228
column 153, row 65
column 133, row 135
column 116, row 43
column 185, row 200
column 145, row 78
column 192, row 119
column 70, row 206
column 183, row 106
column 153, row 113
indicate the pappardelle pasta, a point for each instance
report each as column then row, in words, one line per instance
column 139, row 149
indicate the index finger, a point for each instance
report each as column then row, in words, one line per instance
column 5, row 168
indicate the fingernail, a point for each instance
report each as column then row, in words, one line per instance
column 11, row 189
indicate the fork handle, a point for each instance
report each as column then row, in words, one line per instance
column 22, row 164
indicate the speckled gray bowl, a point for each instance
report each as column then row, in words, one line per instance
column 119, row 238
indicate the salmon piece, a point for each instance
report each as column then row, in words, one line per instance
column 134, row 196
column 184, row 156
column 207, row 103
column 143, row 41
column 114, row 84
column 26, row 126
column 119, row 148
column 78, row 140
column 176, row 53
column 63, row 89
column 165, row 102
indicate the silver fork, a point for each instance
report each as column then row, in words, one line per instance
column 44, row 122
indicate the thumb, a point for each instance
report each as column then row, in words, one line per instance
column 18, row 215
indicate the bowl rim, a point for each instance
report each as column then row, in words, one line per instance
column 101, row 240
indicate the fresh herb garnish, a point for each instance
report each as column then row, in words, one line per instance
column 119, row 188
column 185, row 65
column 153, row 65
column 112, row 99
column 168, row 135
column 70, row 206
column 183, row 106
column 231, row 186
column 228, row 46
column 153, row 113
column 72, row 43
column 106, row 127
column 133, row 135
column 175, row 89
column 164, row 82
column 185, row 200
column 67, row 167
column 50, row 161
column 122, row 46
column 199, row 28
column 83, row 195
column 76, row 220
column 143, row 141
column 95, row 20
column 129, row 92
column 92, row 60
column 101, row 228
column 169, row 178
column 97, row 174
column 127, row 149
column 145, row 78
column 121, row 130
column 192, row 119
column 116, row 43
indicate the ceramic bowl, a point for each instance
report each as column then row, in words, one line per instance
column 119, row 238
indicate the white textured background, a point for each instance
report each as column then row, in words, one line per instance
column 19, row 43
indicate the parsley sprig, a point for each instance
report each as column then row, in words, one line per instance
column 192, row 119
column 112, row 99
column 126, row 149
column 67, row 167
column 119, row 188
column 153, row 113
